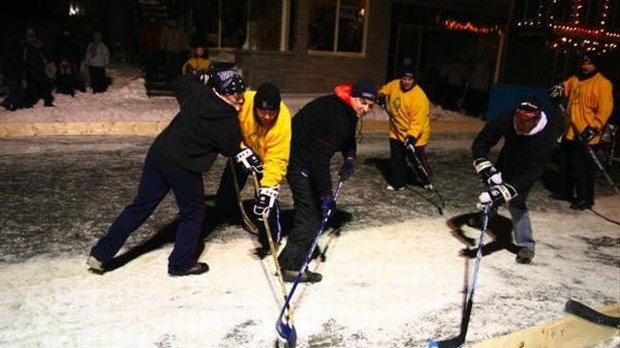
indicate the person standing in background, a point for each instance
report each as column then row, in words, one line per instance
column 97, row 57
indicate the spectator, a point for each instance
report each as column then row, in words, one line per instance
column 67, row 58
column 198, row 63
column 12, row 69
column 454, row 77
column 96, row 59
column 150, row 36
column 38, row 84
column 173, row 43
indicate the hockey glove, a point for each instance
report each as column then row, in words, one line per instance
column 347, row 168
column 249, row 161
column 487, row 172
column 556, row 92
column 410, row 141
column 588, row 134
column 267, row 197
column 497, row 196
column 328, row 202
column 381, row 101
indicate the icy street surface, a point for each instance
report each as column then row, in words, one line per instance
column 393, row 274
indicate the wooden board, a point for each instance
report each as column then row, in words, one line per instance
column 568, row 332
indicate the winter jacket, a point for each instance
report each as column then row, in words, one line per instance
column 409, row 112
column 271, row 145
column 97, row 54
column 195, row 65
column 523, row 158
column 205, row 127
column 321, row 128
column 590, row 103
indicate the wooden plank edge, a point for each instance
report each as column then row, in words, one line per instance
column 17, row 129
column 567, row 332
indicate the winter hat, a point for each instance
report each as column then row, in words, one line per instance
column 267, row 97
column 592, row 58
column 408, row 70
column 229, row 82
column 529, row 107
column 364, row 88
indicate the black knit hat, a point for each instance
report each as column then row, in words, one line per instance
column 529, row 107
column 267, row 97
column 364, row 88
column 591, row 57
column 408, row 70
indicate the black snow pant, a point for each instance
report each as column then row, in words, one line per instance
column 399, row 155
column 576, row 172
column 228, row 208
column 306, row 203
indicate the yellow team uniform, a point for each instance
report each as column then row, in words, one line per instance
column 409, row 112
column 195, row 64
column 590, row 103
column 272, row 146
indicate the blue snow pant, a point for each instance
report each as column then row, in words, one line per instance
column 159, row 176
column 521, row 221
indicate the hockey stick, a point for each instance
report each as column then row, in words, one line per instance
column 598, row 163
column 460, row 339
column 285, row 329
column 247, row 222
column 428, row 177
column 589, row 314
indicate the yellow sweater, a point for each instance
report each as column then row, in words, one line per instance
column 195, row 64
column 271, row 145
column 590, row 103
column 409, row 112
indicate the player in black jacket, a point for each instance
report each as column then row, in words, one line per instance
column 528, row 144
column 321, row 128
column 206, row 126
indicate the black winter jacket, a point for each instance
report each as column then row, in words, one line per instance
column 523, row 158
column 205, row 127
column 321, row 128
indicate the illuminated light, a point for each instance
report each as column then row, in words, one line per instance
column 451, row 24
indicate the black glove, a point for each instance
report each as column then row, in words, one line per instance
column 347, row 168
column 587, row 134
column 267, row 197
column 207, row 77
column 249, row 161
column 381, row 101
column 410, row 140
column 496, row 196
column 487, row 172
column 556, row 92
column 328, row 202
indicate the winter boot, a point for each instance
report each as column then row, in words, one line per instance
column 308, row 277
column 525, row 256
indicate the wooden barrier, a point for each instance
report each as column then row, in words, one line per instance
column 568, row 332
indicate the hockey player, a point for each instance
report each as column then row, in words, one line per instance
column 321, row 128
column 590, row 103
column 528, row 144
column 408, row 108
column 205, row 126
column 265, row 123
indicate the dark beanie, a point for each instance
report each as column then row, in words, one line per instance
column 408, row 70
column 529, row 107
column 229, row 82
column 591, row 57
column 267, row 97
column 364, row 88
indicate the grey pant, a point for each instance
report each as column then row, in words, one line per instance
column 521, row 223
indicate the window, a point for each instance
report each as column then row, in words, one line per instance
column 337, row 26
column 249, row 24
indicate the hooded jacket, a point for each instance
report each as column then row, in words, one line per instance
column 321, row 128
column 272, row 145
column 204, row 127
column 409, row 112
column 523, row 158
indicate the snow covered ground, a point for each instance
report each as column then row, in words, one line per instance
column 393, row 271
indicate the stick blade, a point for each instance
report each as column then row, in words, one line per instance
column 287, row 333
column 453, row 342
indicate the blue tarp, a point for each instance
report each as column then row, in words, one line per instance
column 504, row 97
